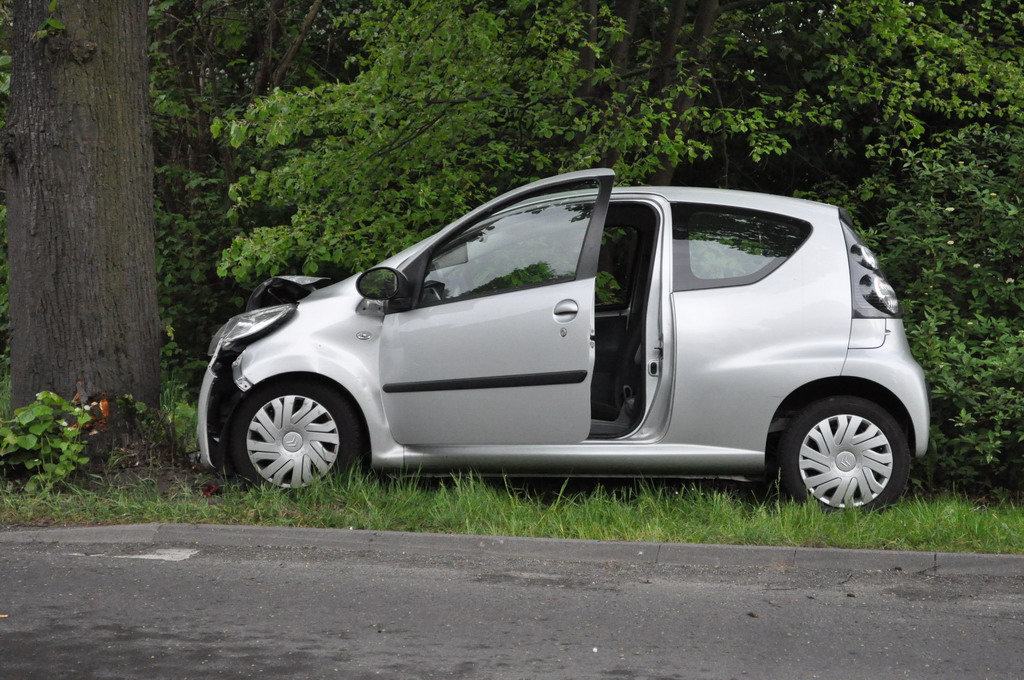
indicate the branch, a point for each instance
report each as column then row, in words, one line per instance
column 470, row 98
column 405, row 137
column 286, row 61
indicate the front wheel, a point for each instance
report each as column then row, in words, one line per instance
column 845, row 452
column 289, row 433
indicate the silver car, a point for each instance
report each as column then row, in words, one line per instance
column 568, row 329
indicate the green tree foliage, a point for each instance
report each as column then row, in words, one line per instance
column 210, row 58
column 845, row 87
column 449, row 106
column 453, row 101
column 456, row 100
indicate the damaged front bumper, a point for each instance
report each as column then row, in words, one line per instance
column 203, row 456
column 218, row 397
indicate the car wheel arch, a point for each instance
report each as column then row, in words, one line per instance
column 323, row 381
column 817, row 390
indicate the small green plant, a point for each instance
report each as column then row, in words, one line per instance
column 45, row 439
column 168, row 427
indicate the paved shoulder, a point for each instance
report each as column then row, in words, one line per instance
column 936, row 563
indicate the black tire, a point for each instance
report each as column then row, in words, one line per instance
column 289, row 433
column 845, row 452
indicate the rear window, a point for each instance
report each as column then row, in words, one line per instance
column 717, row 246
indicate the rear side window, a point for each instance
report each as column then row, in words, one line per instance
column 718, row 246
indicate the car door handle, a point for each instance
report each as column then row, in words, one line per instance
column 566, row 310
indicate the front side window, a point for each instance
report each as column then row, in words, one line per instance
column 719, row 246
column 530, row 244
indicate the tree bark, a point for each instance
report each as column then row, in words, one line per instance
column 665, row 66
column 629, row 11
column 79, row 171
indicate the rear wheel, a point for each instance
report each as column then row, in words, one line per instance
column 845, row 452
column 292, row 432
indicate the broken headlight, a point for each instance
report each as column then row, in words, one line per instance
column 250, row 326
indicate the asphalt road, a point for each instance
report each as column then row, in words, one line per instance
column 175, row 601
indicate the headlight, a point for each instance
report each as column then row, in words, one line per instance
column 250, row 326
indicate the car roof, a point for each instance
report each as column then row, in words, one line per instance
column 733, row 198
column 800, row 208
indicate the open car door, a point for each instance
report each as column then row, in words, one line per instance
column 498, row 345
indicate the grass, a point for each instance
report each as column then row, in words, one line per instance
column 637, row 511
column 152, row 483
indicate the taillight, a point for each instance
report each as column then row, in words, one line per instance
column 873, row 296
column 879, row 294
column 863, row 255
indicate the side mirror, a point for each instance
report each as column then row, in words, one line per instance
column 382, row 283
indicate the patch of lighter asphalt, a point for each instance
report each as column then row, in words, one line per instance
column 164, row 554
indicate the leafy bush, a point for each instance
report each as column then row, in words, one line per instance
column 951, row 242
column 40, row 439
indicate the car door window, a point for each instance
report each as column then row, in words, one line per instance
column 530, row 244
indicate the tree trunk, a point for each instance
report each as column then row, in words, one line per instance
column 259, row 84
column 707, row 13
column 588, row 59
column 79, row 170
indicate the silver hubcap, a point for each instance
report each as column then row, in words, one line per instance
column 292, row 440
column 845, row 461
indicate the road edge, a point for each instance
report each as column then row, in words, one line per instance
column 933, row 563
